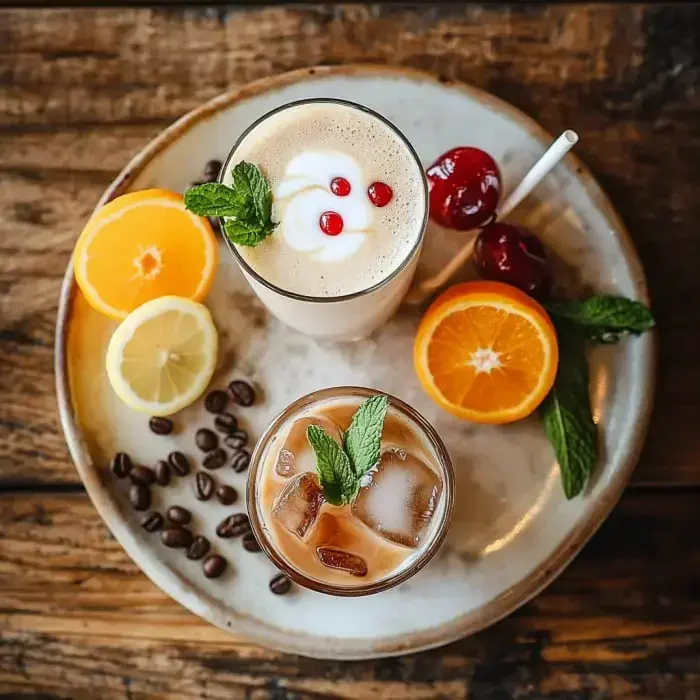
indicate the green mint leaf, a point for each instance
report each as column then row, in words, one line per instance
column 249, row 181
column 603, row 318
column 213, row 199
column 567, row 415
column 340, row 486
column 245, row 232
column 363, row 437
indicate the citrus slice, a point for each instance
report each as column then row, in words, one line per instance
column 486, row 352
column 142, row 246
column 161, row 358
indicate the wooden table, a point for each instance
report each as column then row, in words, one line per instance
column 82, row 90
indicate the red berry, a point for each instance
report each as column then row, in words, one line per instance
column 331, row 223
column 513, row 255
column 380, row 194
column 340, row 187
column 465, row 187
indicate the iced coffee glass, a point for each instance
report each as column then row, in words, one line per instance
column 350, row 198
column 393, row 528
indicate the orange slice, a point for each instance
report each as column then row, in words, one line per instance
column 486, row 352
column 142, row 246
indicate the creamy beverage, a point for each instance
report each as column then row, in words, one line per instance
column 386, row 534
column 350, row 201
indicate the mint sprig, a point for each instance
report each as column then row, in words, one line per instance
column 566, row 411
column 341, row 468
column 246, row 207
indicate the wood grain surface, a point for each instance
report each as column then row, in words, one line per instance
column 82, row 90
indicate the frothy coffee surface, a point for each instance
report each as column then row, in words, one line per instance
column 300, row 150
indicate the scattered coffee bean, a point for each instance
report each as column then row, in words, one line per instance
column 121, row 465
column 250, row 544
column 179, row 463
column 214, row 565
column 212, row 170
column 160, row 426
column 215, row 459
column 176, row 537
column 233, row 526
column 240, row 461
column 241, row 392
column 162, row 473
column 142, row 475
column 204, row 486
column 179, row 515
column 226, row 495
column 216, row 401
column 206, row 440
column 199, row 548
column 236, row 440
column 226, row 423
column 280, row 584
column 152, row 522
column 140, row 497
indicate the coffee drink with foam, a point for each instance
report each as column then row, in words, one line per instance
column 350, row 199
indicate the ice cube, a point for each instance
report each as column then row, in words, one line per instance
column 297, row 505
column 296, row 454
column 400, row 499
column 345, row 561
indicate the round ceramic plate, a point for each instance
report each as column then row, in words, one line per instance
column 513, row 530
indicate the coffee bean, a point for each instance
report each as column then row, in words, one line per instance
column 152, row 522
column 214, row 565
column 121, row 465
column 206, row 440
column 176, row 537
column 212, row 170
column 160, row 426
column 140, row 497
column 199, row 548
column 240, row 461
column 215, row 459
column 250, row 544
column 226, row 422
column 179, row 515
column 179, row 463
column 241, row 392
column 204, row 486
column 233, row 526
column 280, row 584
column 162, row 473
column 236, row 440
column 215, row 223
column 216, row 401
column 142, row 475
column 226, row 495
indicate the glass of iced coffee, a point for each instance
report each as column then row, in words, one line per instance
column 350, row 200
column 350, row 491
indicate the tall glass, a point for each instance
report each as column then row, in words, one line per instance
column 408, row 561
column 350, row 316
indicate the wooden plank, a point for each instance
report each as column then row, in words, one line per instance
column 82, row 90
column 77, row 619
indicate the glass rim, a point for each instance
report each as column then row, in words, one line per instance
column 362, row 292
column 393, row 579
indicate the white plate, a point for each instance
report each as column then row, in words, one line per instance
column 513, row 530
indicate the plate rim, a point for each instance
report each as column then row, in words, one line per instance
column 175, row 585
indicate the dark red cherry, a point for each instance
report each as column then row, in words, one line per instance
column 331, row 223
column 513, row 255
column 340, row 187
column 465, row 187
column 380, row 194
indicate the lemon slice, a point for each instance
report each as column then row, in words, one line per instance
column 162, row 356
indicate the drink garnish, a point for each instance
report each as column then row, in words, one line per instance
column 246, row 207
column 566, row 411
column 340, row 469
